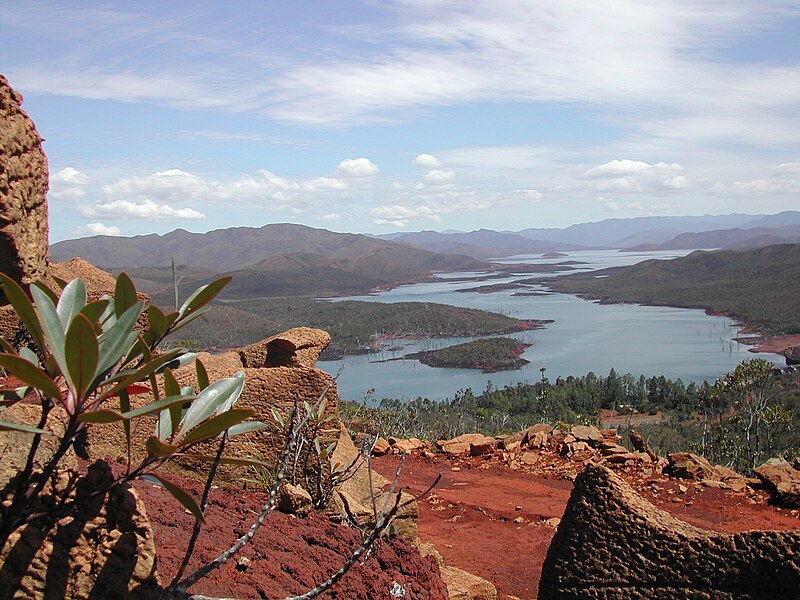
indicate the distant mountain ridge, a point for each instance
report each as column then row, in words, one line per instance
column 727, row 239
column 481, row 244
column 241, row 247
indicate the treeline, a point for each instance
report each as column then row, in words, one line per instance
column 747, row 417
column 758, row 286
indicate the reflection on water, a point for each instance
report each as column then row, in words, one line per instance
column 586, row 336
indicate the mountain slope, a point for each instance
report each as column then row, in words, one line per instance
column 755, row 237
column 240, row 247
column 481, row 244
column 760, row 285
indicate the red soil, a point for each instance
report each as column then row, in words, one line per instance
column 289, row 555
column 492, row 521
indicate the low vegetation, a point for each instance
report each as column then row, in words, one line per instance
column 747, row 417
column 757, row 286
column 356, row 327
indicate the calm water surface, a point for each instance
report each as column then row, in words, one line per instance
column 585, row 336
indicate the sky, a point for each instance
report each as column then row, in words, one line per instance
column 387, row 115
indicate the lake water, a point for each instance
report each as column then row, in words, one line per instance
column 585, row 336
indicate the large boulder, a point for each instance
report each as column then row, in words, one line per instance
column 783, row 480
column 685, row 465
column 103, row 549
column 23, row 186
column 612, row 543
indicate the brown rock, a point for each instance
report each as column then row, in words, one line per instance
column 23, row 185
column 294, row 500
column 586, row 433
column 783, row 481
column 15, row 445
column 612, row 543
column 381, row 447
column 301, row 345
column 461, row 444
column 406, row 446
column 481, row 448
column 104, row 550
column 685, row 465
column 462, row 585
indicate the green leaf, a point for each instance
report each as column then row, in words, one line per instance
column 234, row 395
column 61, row 283
column 129, row 376
column 209, row 400
column 104, row 415
column 203, row 296
column 157, row 406
column 116, row 342
column 172, row 388
column 48, row 292
column 155, row 447
column 278, row 417
column 24, row 309
column 94, row 310
column 30, row 374
column 4, row 426
column 164, row 427
column 178, row 493
column 72, row 301
column 8, row 348
column 180, row 360
column 248, row 427
column 125, row 406
column 29, row 355
column 82, row 353
column 216, row 424
column 124, row 294
column 189, row 318
column 53, row 330
column 157, row 325
column 202, row 375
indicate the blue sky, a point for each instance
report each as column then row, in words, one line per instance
column 383, row 115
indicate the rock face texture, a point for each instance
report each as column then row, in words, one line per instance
column 23, row 185
column 612, row 543
column 104, row 549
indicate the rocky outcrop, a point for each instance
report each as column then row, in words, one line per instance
column 783, row 481
column 103, row 549
column 15, row 445
column 792, row 355
column 611, row 543
column 23, row 185
column 300, row 346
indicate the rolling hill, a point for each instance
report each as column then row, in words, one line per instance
column 760, row 286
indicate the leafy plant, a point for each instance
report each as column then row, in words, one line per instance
column 83, row 363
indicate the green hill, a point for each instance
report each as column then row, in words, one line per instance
column 760, row 286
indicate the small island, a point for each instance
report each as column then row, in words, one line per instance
column 489, row 355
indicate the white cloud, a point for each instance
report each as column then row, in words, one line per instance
column 125, row 210
column 611, row 205
column 331, row 217
column 788, row 168
column 99, row 229
column 400, row 216
column 428, row 161
column 529, row 195
column 357, row 167
column 68, row 184
column 627, row 175
column 172, row 185
column 438, row 177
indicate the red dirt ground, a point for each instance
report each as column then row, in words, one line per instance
column 491, row 521
column 289, row 555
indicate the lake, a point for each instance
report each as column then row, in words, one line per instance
column 585, row 336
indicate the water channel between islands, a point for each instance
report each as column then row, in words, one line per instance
column 584, row 336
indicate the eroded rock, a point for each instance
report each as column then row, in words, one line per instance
column 612, row 543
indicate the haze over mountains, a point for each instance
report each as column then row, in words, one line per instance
column 287, row 259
